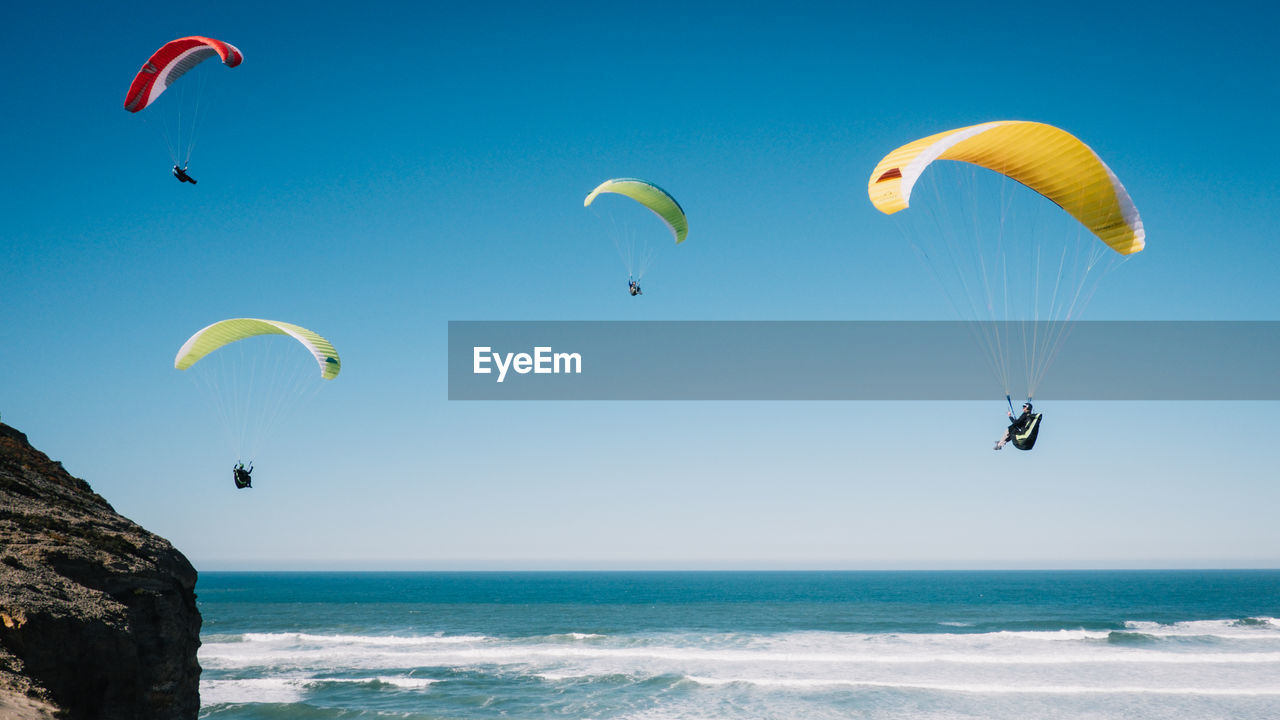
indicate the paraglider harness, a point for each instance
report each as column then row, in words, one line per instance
column 1025, row 428
column 242, row 476
column 181, row 174
column 633, row 287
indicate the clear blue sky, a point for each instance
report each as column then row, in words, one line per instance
column 376, row 172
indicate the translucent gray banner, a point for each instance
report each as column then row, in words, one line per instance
column 862, row 360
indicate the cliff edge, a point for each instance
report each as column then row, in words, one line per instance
column 98, row 617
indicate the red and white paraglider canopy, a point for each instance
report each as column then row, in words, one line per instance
column 171, row 62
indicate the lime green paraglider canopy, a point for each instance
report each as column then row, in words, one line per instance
column 228, row 331
column 650, row 196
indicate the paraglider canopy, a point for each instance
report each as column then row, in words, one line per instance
column 650, row 196
column 1046, row 159
column 171, row 62
column 226, row 332
column 1018, row 232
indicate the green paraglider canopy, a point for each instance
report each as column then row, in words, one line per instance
column 650, row 196
column 226, row 332
column 253, row 386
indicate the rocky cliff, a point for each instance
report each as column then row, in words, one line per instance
column 98, row 617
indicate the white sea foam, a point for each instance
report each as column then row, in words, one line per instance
column 1074, row 662
column 289, row 689
column 246, row 690
column 400, row 682
column 1046, row 635
column 294, row 650
column 362, row 639
column 1263, row 628
column 1001, row 648
column 992, row 689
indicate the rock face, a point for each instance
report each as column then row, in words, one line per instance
column 98, row 617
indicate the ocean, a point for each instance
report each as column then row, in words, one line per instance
column 704, row 645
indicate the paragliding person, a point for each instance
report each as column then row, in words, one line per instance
column 281, row 386
column 1018, row 426
column 635, row 249
column 242, row 476
column 971, row 229
column 181, row 174
column 161, row 71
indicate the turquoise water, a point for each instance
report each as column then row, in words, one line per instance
column 656, row 645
